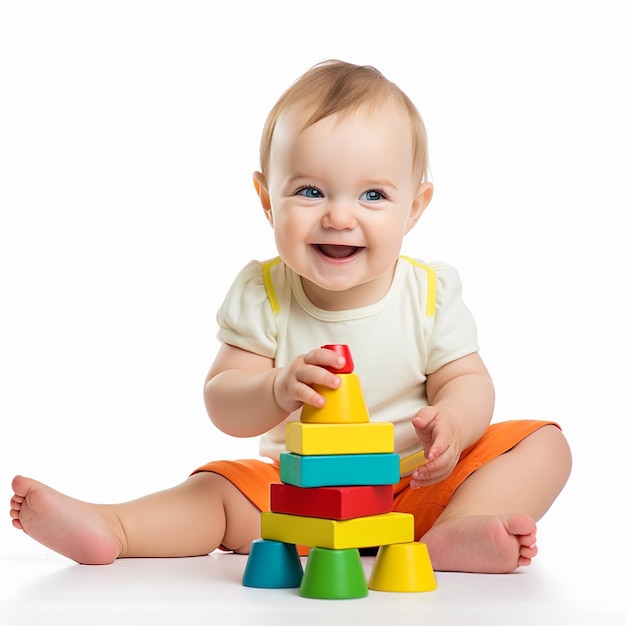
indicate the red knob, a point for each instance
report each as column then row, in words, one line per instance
column 344, row 350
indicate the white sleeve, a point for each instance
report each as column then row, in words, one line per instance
column 454, row 333
column 245, row 317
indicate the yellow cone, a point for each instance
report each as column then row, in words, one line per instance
column 403, row 567
column 343, row 405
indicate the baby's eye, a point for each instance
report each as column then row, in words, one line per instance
column 372, row 195
column 309, row 192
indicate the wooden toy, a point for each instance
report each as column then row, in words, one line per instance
column 403, row 567
column 334, row 575
column 360, row 532
column 339, row 503
column 343, row 405
column 339, row 469
column 313, row 439
column 336, row 496
column 272, row 565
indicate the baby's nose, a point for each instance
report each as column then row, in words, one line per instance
column 339, row 215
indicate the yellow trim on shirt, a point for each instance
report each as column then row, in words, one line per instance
column 266, row 269
column 431, row 289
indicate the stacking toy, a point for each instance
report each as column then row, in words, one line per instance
column 336, row 496
column 334, row 575
column 273, row 565
column 403, row 567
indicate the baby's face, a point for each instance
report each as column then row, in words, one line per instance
column 343, row 194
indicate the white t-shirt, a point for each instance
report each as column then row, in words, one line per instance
column 420, row 325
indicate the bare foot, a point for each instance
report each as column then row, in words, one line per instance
column 81, row 531
column 490, row 544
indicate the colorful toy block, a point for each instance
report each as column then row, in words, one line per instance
column 311, row 439
column 339, row 469
column 338, row 503
column 334, row 575
column 345, row 404
column 272, row 565
column 403, row 567
column 361, row 532
column 411, row 462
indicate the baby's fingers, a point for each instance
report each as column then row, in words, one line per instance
column 317, row 376
column 424, row 419
column 305, row 394
column 325, row 358
column 299, row 384
column 433, row 471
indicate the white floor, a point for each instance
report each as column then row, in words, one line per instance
column 41, row 588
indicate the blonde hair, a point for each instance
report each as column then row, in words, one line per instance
column 338, row 87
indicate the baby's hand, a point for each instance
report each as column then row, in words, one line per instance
column 438, row 433
column 293, row 383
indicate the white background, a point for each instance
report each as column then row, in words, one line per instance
column 128, row 134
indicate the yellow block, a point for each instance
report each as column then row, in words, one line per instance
column 411, row 462
column 369, row 438
column 361, row 532
column 343, row 405
column 403, row 567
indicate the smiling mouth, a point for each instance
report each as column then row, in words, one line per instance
column 337, row 251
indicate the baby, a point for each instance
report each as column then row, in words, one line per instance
column 343, row 178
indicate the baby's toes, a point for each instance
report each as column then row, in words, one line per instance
column 16, row 501
column 528, row 552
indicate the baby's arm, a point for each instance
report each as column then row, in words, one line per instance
column 245, row 395
column 461, row 397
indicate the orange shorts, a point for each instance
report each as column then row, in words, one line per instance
column 253, row 477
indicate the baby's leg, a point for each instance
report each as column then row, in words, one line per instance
column 489, row 524
column 187, row 520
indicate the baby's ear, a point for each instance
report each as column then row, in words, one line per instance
column 421, row 201
column 260, row 184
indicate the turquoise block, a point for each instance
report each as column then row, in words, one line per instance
column 339, row 469
column 272, row 565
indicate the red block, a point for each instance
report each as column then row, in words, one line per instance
column 337, row 503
